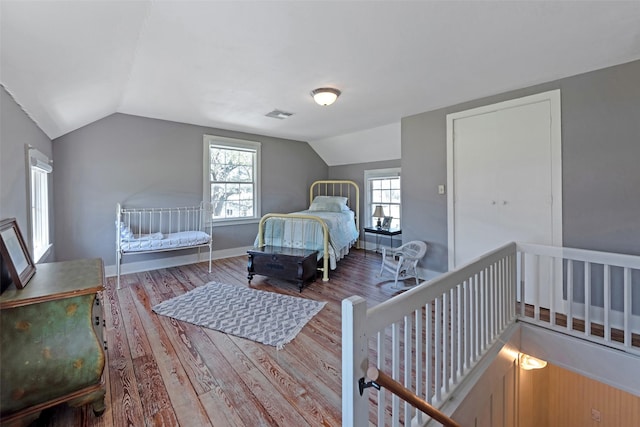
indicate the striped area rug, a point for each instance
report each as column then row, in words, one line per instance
column 266, row 317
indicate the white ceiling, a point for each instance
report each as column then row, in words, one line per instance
column 226, row 64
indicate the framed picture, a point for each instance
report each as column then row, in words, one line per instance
column 15, row 254
column 386, row 222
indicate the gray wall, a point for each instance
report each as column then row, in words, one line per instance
column 355, row 173
column 16, row 131
column 146, row 162
column 600, row 158
column 424, row 167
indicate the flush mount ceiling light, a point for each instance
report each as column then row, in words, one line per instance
column 325, row 95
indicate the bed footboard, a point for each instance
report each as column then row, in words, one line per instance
column 292, row 221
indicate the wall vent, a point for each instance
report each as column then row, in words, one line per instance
column 279, row 114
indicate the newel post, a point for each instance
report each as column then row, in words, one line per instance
column 355, row 411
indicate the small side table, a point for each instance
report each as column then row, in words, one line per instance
column 380, row 232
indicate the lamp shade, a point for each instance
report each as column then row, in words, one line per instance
column 378, row 212
column 325, row 95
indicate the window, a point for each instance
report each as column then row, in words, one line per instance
column 383, row 189
column 232, row 179
column 39, row 170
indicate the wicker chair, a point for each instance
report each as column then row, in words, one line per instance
column 402, row 261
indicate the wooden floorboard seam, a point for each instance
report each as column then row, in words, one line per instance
column 163, row 372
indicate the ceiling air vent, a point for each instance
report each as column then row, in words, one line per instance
column 279, row 114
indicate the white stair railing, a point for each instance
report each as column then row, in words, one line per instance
column 428, row 338
column 582, row 293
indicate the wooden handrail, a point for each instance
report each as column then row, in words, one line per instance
column 408, row 396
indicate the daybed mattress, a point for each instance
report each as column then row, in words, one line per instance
column 159, row 241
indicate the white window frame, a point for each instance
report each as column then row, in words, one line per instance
column 39, row 215
column 233, row 143
column 378, row 174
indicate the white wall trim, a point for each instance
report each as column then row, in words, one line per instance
column 231, row 143
column 174, row 261
column 378, row 173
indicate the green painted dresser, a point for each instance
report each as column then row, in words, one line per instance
column 52, row 341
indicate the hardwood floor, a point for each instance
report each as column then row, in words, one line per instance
column 162, row 372
column 597, row 329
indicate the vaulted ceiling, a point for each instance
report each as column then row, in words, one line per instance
column 226, row 64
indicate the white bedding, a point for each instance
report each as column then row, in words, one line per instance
column 159, row 241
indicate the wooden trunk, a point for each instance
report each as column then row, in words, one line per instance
column 283, row 263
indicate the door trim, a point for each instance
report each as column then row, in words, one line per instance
column 553, row 99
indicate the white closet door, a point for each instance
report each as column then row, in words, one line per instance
column 501, row 177
column 476, row 162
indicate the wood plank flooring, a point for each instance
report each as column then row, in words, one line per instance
column 162, row 372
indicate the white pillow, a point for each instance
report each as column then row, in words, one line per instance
column 329, row 204
column 125, row 232
column 152, row 236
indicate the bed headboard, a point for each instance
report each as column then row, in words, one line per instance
column 337, row 187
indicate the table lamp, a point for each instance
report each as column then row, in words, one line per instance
column 379, row 213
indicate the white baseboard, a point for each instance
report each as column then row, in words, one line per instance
column 174, row 261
